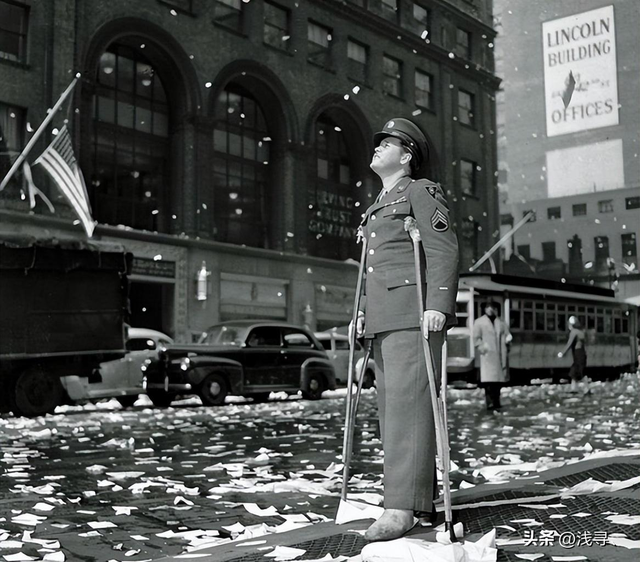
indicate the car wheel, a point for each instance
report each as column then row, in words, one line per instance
column 161, row 399
column 260, row 397
column 213, row 390
column 315, row 387
column 36, row 393
column 127, row 401
column 369, row 379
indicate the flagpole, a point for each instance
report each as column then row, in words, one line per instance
column 38, row 132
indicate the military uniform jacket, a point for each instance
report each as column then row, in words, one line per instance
column 390, row 298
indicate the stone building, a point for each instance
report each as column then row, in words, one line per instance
column 229, row 141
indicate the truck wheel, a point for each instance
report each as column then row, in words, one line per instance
column 316, row 387
column 161, row 399
column 36, row 393
column 213, row 390
column 369, row 379
column 127, row 401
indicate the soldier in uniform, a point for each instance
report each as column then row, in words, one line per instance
column 389, row 315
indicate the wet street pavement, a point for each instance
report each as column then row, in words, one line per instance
column 98, row 483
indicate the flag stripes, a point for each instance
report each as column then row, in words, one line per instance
column 59, row 161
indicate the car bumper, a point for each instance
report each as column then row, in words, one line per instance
column 166, row 386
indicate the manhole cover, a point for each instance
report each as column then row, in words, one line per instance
column 346, row 544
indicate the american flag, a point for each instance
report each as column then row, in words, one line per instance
column 58, row 159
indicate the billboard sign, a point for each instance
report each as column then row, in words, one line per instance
column 580, row 72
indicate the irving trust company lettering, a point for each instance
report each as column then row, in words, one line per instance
column 333, row 215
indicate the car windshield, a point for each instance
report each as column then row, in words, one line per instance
column 224, row 335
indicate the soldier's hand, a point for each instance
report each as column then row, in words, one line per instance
column 359, row 326
column 433, row 321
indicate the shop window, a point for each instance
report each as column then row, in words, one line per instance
column 277, row 30
column 391, row 76
column 130, row 148
column 14, row 19
column 241, row 165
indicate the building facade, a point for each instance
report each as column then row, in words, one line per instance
column 227, row 143
column 569, row 126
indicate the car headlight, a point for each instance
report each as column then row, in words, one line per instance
column 184, row 363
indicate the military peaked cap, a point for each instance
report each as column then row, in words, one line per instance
column 410, row 135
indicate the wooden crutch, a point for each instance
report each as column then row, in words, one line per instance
column 439, row 409
column 349, row 420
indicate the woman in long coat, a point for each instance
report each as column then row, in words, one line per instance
column 491, row 338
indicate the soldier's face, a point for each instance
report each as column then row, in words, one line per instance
column 388, row 156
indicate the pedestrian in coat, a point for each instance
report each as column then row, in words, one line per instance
column 491, row 337
column 390, row 315
column 577, row 343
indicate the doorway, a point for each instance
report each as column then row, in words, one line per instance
column 152, row 306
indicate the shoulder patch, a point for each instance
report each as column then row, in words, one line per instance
column 439, row 221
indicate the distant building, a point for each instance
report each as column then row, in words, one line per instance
column 227, row 143
column 569, row 126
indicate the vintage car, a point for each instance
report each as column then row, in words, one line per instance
column 249, row 358
column 121, row 378
column 337, row 348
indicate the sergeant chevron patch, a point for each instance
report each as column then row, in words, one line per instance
column 439, row 221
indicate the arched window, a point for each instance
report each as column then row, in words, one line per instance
column 241, row 145
column 130, row 145
column 334, row 208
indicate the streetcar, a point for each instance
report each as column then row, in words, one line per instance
column 537, row 312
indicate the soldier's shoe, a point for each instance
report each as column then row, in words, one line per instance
column 393, row 523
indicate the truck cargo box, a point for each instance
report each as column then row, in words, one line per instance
column 61, row 297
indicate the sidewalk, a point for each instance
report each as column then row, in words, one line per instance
column 533, row 518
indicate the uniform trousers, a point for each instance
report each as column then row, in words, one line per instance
column 406, row 417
